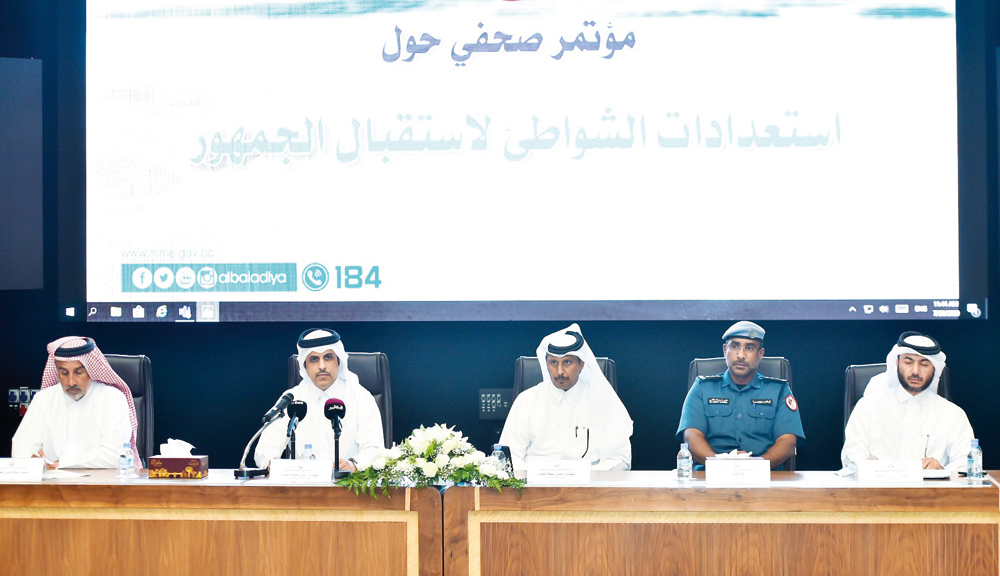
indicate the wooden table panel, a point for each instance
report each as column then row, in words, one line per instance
column 94, row 525
column 805, row 523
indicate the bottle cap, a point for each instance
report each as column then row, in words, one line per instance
column 309, row 446
column 684, row 445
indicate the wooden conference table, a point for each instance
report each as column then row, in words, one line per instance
column 215, row 526
column 805, row 523
column 623, row 523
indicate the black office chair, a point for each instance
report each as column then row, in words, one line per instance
column 856, row 379
column 137, row 372
column 372, row 369
column 773, row 366
column 527, row 373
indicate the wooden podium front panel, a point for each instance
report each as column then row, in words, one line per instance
column 191, row 527
column 800, row 525
column 607, row 546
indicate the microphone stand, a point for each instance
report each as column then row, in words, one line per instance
column 291, row 437
column 244, row 473
column 337, row 472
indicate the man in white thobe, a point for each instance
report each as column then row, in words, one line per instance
column 323, row 366
column 574, row 413
column 82, row 422
column 901, row 416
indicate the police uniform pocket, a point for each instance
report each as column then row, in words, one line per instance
column 763, row 417
column 718, row 410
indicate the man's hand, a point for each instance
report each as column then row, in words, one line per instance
column 49, row 464
column 931, row 464
column 347, row 465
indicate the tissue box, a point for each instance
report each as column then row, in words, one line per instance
column 178, row 467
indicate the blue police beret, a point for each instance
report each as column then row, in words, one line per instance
column 744, row 329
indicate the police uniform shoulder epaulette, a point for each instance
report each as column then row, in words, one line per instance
column 710, row 377
column 772, row 379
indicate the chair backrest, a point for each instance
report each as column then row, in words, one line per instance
column 372, row 369
column 773, row 366
column 527, row 373
column 137, row 372
column 856, row 378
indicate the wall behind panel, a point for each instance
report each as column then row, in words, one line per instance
column 20, row 174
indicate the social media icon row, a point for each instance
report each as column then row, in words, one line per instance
column 164, row 278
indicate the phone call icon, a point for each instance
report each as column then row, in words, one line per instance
column 315, row 277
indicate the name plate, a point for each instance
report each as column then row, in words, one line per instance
column 558, row 472
column 21, row 469
column 890, row 471
column 737, row 472
column 302, row 471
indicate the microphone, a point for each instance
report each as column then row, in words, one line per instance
column 334, row 410
column 278, row 407
column 298, row 409
column 296, row 412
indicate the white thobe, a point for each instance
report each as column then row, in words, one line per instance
column 85, row 433
column 895, row 425
column 361, row 434
column 547, row 423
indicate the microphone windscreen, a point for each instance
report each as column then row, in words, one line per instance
column 297, row 409
column 334, row 407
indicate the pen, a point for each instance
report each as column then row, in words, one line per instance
column 926, row 444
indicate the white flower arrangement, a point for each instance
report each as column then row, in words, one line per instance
column 432, row 456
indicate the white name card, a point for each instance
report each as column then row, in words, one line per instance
column 558, row 472
column 302, row 471
column 21, row 469
column 737, row 472
column 890, row 471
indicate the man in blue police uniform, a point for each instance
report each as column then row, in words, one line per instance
column 741, row 409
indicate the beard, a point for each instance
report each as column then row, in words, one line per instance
column 913, row 389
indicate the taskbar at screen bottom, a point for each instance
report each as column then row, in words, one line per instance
column 213, row 311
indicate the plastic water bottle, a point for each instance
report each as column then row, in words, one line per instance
column 501, row 456
column 126, row 463
column 307, row 454
column 975, row 470
column 684, row 463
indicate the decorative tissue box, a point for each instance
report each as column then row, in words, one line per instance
column 178, row 467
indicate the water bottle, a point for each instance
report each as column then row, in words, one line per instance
column 126, row 463
column 501, row 456
column 684, row 463
column 307, row 454
column 975, row 470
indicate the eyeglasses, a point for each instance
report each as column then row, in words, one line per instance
column 736, row 347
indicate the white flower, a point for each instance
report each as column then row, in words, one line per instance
column 460, row 461
column 395, row 453
column 478, row 457
column 503, row 475
column 378, row 464
column 440, row 433
column 420, row 445
column 448, row 445
column 442, row 460
column 363, row 465
column 487, row 469
column 429, row 469
column 404, row 467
